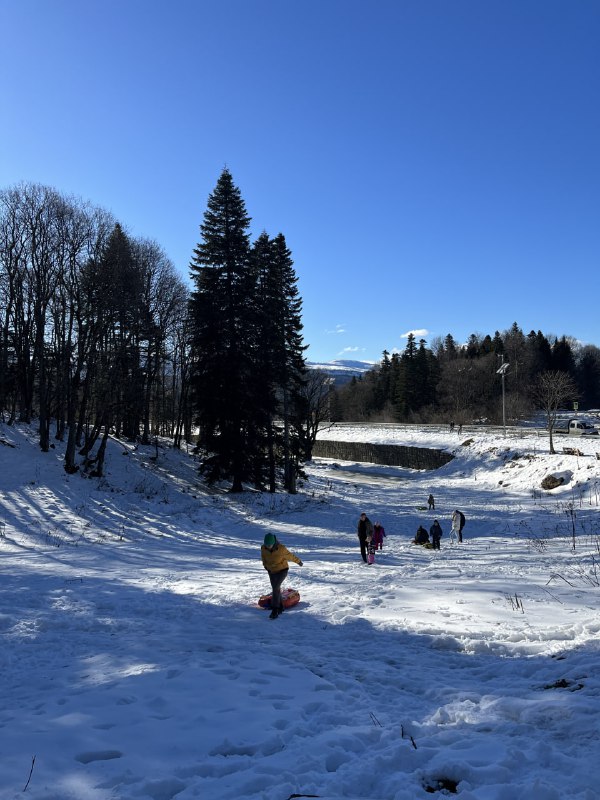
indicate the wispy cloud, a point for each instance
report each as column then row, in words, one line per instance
column 418, row 333
column 347, row 350
column 338, row 329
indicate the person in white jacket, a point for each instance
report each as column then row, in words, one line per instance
column 458, row 523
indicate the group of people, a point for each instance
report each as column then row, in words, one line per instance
column 275, row 555
column 422, row 537
column 370, row 538
column 435, row 531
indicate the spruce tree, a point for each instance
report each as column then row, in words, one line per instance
column 384, row 377
column 222, row 309
column 426, row 376
column 407, row 398
column 263, row 386
column 288, row 358
column 562, row 356
column 450, row 347
column 588, row 377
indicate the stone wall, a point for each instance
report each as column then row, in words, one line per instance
column 388, row 454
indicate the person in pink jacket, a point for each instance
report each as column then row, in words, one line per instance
column 378, row 534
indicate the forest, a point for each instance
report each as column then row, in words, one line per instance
column 448, row 381
column 100, row 336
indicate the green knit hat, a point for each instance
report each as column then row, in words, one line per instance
column 270, row 540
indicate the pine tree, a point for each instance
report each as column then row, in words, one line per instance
column 450, row 347
column 407, row 398
column 426, row 376
column 498, row 343
column 540, row 354
column 382, row 387
column 588, row 377
column 562, row 356
column 473, row 346
column 487, row 346
column 288, row 357
column 263, row 386
column 223, row 311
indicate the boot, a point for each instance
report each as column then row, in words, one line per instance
column 274, row 614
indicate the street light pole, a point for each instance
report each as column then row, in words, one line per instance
column 502, row 372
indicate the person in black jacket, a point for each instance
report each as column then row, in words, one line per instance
column 436, row 534
column 365, row 531
column 421, row 537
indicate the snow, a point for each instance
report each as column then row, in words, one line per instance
column 135, row 663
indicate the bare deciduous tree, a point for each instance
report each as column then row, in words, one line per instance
column 316, row 392
column 552, row 390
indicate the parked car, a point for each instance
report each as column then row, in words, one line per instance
column 577, row 427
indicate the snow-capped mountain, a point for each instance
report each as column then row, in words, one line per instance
column 342, row 371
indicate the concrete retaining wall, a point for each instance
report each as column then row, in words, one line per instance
column 389, row 454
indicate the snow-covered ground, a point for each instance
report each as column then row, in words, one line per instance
column 135, row 663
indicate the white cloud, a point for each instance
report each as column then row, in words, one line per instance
column 418, row 333
column 347, row 350
column 338, row 329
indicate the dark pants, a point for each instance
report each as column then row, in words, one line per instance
column 460, row 535
column 436, row 542
column 277, row 578
column 363, row 547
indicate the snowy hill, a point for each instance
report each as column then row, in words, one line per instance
column 342, row 371
column 135, row 663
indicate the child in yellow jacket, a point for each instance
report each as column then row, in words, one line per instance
column 275, row 557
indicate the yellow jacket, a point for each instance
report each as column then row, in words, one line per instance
column 277, row 559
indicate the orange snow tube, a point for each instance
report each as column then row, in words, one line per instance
column 289, row 598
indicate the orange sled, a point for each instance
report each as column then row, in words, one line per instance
column 289, row 598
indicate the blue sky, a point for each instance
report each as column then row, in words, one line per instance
column 434, row 164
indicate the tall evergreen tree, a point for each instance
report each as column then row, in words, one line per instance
column 409, row 399
column 426, row 376
column 562, row 356
column 280, row 361
column 487, row 346
column 588, row 377
column 384, row 376
column 450, row 349
column 473, row 346
column 222, row 308
column 540, row 354
column 264, row 440
column 291, row 361
column 498, row 343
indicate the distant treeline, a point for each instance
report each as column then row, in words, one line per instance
column 451, row 382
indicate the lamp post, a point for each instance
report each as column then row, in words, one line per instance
column 502, row 372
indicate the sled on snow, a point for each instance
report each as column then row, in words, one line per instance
column 289, row 598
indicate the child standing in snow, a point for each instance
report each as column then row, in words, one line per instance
column 378, row 534
column 275, row 557
column 371, row 548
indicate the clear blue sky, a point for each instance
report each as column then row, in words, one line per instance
column 433, row 164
